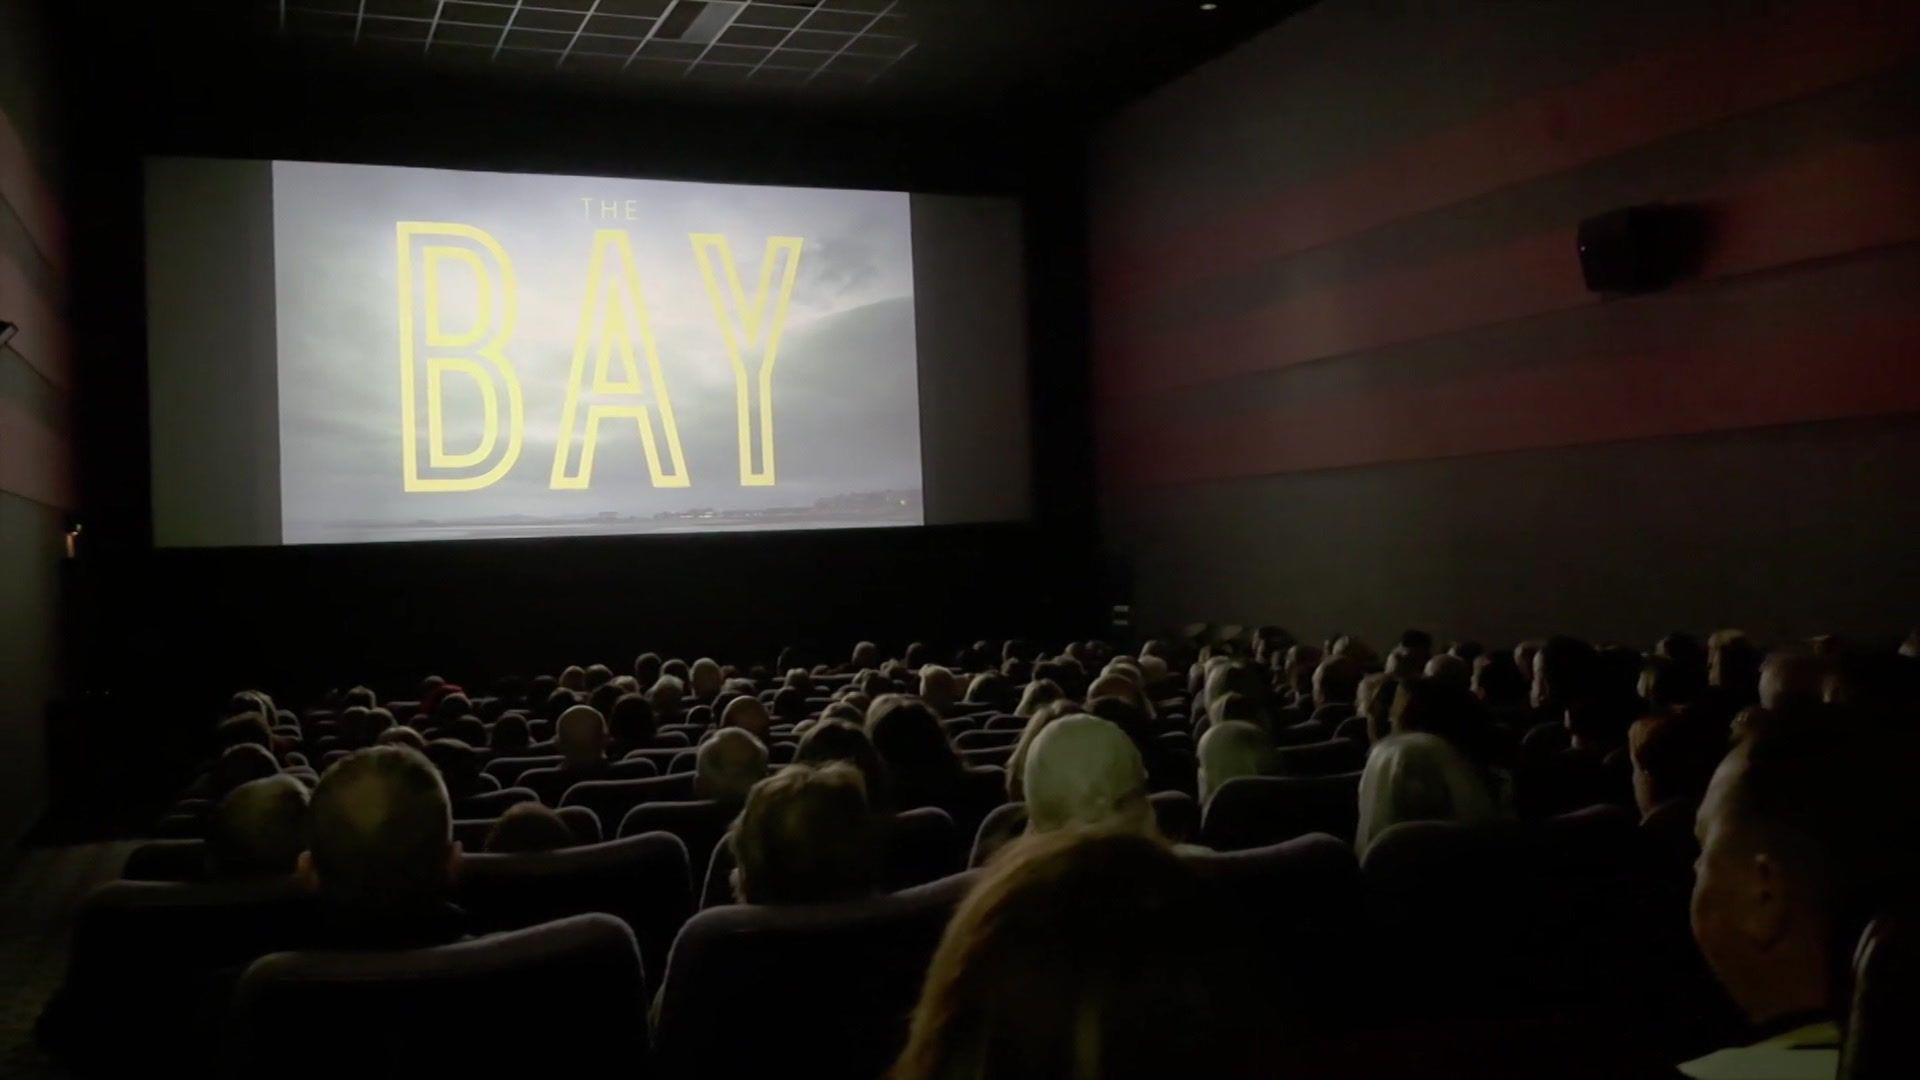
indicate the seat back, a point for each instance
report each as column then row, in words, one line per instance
column 1177, row 815
column 492, row 804
column 611, row 799
column 983, row 738
column 574, row 986
column 153, row 963
column 1304, row 894
column 829, row 986
column 1881, row 1040
column 1255, row 811
column 508, row 769
column 1321, row 758
column 166, row 860
column 699, row 823
column 918, row 846
column 1533, row 919
column 641, row 880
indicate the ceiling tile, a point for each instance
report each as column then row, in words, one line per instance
column 530, row 19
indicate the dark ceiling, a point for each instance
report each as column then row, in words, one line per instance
column 977, row 57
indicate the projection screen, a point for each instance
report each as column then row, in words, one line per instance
column 355, row 353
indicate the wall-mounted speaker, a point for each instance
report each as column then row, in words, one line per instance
column 1638, row 249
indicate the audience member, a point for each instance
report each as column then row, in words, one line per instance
column 1805, row 834
column 805, row 835
column 842, row 740
column 1229, row 750
column 259, row 829
column 402, row 736
column 749, row 715
column 1419, row 777
column 729, row 762
column 1082, row 955
column 381, row 851
column 1085, row 771
column 528, row 827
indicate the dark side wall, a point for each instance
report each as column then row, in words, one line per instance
column 36, row 474
column 1348, row 377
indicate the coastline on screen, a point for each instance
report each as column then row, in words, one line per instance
column 466, row 354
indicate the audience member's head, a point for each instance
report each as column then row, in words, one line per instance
column 704, row 679
column 938, row 687
column 991, row 688
column 1733, row 665
column 459, row 765
column 1082, row 771
column 646, row 668
column 558, row 702
column 1230, row 750
column 361, row 696
column 1446, row 709
column 730, row 761
column 1237, row 706
column 1674, row 754
column 1335, row 680
column 677, row 668
column 834, row 739
column 865, row 655
column 914, row 745
column 1667, row 684
column 749, row 715
column 527, row 827
column 631, row 722
column 573, row 678
column 580, row 737
column 598, row 675
column 1448, row 668
column 509, row 735
column 1236, row 677
column 1565, row 670
column 1790, row 680
column 1498, row 682
column 1038, row 693
column 1374, row 700
column 805, row 835
column 789, row 705
column 402, row 736
column 245, row 729
column 1805, row 834
column 259, row 829
column 1017, row 760
column 238, row 764
column 665, row 695
column 1084, row 955
column 1418, row 777
column 380, row 831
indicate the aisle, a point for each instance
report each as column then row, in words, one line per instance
column 39, row 888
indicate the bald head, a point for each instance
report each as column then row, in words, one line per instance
column 1084, row 771
column 1233, row 749
column 1791, row 680
column 939, row 687
column 705, row 678
column 259, row 829
column 1336, row 679
column 729, row 763
column 1450, row 669
column 581, row 736
column 381, row 829
column 749, row 715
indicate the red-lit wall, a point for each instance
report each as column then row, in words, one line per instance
column 36, row 460
column 1348, row 376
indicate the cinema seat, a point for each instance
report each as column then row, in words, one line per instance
column 166, row 860
column 919, row 846
column 1539, row 916
column 508, row 769
column 1174, row 812
column 986, row 738
column 472, row 833
column 642, row 880
column 699, row 823
column 1321, row 758
column 1881, row 1040
column 1254, row 811
column 153, row 962
column 574, row 990
column 492, row 804
column 827, row 987
column 1005, row 722
column 611, row 799
column 1304, row 894
column 551, row 784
